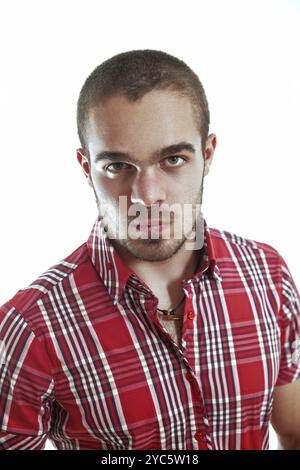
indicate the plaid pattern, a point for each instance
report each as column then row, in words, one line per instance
column 88, row 364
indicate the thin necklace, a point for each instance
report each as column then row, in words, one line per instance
column 170, row 313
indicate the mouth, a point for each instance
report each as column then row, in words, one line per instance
column 157, row 227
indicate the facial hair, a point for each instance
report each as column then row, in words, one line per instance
column 150, row 249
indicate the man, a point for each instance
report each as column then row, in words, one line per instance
column 158, row 332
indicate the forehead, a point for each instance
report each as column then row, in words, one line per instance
column 159, row 118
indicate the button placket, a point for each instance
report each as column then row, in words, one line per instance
column 191, row 315
column 200, row 434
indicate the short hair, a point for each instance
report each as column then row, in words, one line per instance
column 133, row 74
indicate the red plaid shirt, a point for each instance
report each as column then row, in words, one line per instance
column 87, row 364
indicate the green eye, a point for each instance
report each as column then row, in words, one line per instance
column 175, row 163
column 116, row 167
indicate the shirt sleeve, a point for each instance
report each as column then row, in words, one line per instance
column 26, row 384
column 289, row 318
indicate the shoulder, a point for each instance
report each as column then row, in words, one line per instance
column 223, row 240
column 244, row 257
column 25, row 305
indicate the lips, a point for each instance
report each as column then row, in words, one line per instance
column 152, row 229
column 153, row 224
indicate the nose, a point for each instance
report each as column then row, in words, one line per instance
column 148, row 189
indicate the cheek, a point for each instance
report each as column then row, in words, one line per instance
column 110, row 185
column 192, row 175
column 106, row 189
column 188, row 189
column 112, row 201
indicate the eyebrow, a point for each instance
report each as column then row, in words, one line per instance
column 170, row 149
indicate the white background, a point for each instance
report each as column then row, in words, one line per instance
column 246, row 54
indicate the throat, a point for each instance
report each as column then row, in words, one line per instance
column 174, row 312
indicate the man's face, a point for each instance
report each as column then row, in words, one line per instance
column 149, row 152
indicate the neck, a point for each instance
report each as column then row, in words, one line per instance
column 165, row 277
column 176, row 268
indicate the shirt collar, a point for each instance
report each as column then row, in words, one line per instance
column 115, row 273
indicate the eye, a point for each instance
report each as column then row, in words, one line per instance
column 175, row 161
column 116, row 167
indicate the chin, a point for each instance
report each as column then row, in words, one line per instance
column 153, row 250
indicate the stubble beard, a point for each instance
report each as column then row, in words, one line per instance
column 152, row 249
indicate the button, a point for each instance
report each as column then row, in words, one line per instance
column 191, row 315
column 199, row 435
column 189, row 377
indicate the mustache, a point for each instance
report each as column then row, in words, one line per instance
column 149, row 216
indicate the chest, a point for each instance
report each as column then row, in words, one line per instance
column 173, row 328
column 133, row 374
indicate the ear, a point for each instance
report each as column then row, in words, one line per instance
column 210, row 146
column 85, row 164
